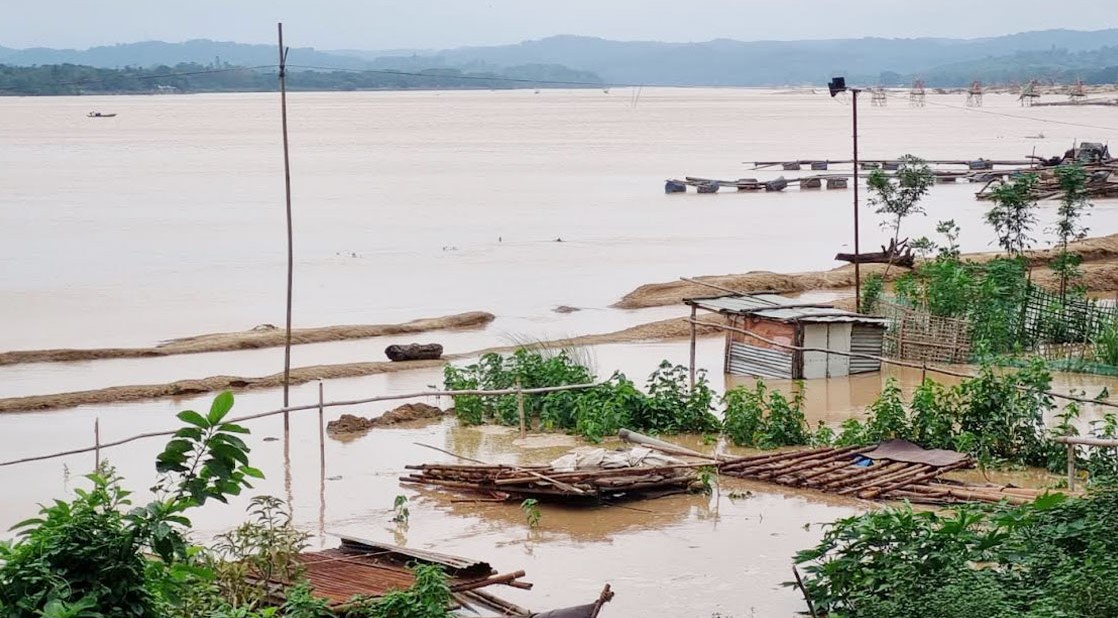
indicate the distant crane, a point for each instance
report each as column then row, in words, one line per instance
column 1029, row 94
column 1078, row 93
column 878, row 98
column 916, row 95
column 974, row 94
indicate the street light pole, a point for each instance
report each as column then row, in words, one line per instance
column 837, row 85
column 857, row 268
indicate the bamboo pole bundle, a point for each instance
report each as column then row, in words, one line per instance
column 596, row 484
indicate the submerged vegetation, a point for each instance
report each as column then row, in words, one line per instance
column 1051, row 558
column 997, row 417
column 100, row 556
column 670, row 405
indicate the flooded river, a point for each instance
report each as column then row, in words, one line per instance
column 167, row 221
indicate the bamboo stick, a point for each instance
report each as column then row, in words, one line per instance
column 744, row 467
column 921, row 477
column 865, row 474
column 488, row 581
column 789, row 463
column 803, row 464
column 559, row 484
column 907, row 472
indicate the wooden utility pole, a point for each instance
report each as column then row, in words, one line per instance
column 857, row 270
column 290, row 249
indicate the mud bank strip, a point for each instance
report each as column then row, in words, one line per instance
column 250, row 340
column 663, row 330
column 1100, row 274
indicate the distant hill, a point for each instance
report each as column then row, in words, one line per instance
column 726, row 62
column 1053, row 66
column 1048, row 54
column 154, row 53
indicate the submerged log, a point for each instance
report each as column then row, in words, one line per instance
column 414, row 351
column 896, row 253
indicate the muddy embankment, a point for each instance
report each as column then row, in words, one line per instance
column 265, row 336
column 1100, row 274
column 663, row 330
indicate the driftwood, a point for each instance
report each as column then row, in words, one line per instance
column 898, row 254
column 414, row 351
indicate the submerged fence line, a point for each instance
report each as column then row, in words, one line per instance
column 890, row 361
column 96, row 448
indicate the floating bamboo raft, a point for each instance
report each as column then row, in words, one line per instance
column 1102, row 175
column 858, row 472
column 893, row 470
column 595, row 485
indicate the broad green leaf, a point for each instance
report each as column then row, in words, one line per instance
column 231, row 428
column 192, row 417
column 252, row 472
column 221, row 406
column 191, row 433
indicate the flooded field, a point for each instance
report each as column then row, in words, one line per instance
column 165, row 222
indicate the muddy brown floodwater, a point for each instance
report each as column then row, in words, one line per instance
column 677, row 556
column 581, row 165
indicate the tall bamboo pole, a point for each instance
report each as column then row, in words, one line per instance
column 290, row 249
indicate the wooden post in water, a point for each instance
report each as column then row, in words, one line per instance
column 321, row 431
column 96, row 444
column 321, row 464
column 693, row 329
column 520, row 410
column 290, row 250
column 1071, row 467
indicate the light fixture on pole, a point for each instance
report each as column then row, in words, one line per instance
column 837, row 85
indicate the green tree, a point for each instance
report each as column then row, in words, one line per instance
column 1013, row 213
column 898, row 197
column 1069, row 226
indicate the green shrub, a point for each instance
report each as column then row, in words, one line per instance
column 1052, row 557
column 872, row 288
column 759, row 418
column 671, row 405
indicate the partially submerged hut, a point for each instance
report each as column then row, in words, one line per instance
column 362, row 568
column 763, row 331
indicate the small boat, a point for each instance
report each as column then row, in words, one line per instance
column 100, row 115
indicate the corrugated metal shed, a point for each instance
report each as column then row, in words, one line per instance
column 782, row 308
column 793, row 338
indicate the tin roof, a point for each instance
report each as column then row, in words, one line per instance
column 781, row 308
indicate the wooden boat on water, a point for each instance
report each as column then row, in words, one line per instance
column 100, row 115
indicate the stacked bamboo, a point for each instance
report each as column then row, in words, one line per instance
column 1102, row 182
column 594, row 485
column 837, row 471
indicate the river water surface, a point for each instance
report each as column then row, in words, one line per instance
column 167, row 221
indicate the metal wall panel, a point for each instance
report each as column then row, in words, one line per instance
column 748, row 360
column 866, row 340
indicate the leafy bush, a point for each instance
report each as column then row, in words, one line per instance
column 87, row 557
column 1053, row 557
column 1106, row 344
column 759, row 418
column 989, row 295
column 532, row 370
column 670, row 406
column 872, row 288
column 997, row 418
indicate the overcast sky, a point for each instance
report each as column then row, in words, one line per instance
column 389, row 24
